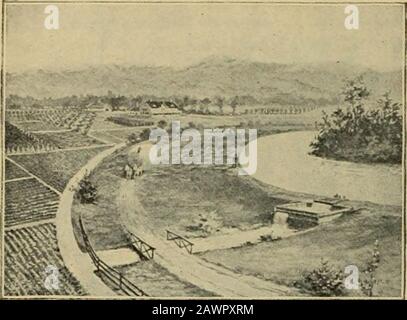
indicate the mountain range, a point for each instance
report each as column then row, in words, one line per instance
column 215, row 76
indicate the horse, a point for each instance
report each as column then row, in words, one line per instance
column 128, row 172
column 139, row 171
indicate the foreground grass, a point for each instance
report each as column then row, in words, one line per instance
column 175, row 196
column 156, row 281
column 348, row 240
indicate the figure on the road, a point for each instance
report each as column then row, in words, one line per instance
column 128, row 171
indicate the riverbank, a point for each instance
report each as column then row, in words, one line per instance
column 283, row 160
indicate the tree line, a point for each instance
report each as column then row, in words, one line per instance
column 117, row 100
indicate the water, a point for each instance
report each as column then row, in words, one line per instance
column 283, row 161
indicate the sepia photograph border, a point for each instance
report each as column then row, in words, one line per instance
column 3, row 52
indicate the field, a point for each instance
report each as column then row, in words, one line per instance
column 36, row 125
column 49, row 119
column 69, row 139
column 253, row 121
column 28, row 200
column 56, row 168
column 13, row 171
column 28, row 251
column 131, row 121
column 100, row 122
column 17, row 140
column 123, row 134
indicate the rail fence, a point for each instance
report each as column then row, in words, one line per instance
column 143, row 248
column 125, row 285
column 180, row 241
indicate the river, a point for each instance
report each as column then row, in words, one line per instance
column 283, row 161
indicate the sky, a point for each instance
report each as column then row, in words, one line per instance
column 180, row 35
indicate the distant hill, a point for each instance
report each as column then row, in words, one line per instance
column 226, row 77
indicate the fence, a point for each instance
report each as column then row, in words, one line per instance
column 143, row 248
column 125, row 285
column 180, row 241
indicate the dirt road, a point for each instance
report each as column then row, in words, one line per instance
column 188, row 267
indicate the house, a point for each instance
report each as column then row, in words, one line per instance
column 308, row 213
column 163, row 107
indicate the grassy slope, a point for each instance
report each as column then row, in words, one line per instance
column 175, row 196
column 347, row 240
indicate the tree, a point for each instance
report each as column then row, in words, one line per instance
column 145, row 134
column 358, row 135
column 133, row 138
column 219, row 102
column 355, row 91
column 87, row 191
column 116, row 102
column 324, row 281
column 162, row 124
column 234, row 103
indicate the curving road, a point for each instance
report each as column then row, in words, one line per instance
column 191, row 268
column 205, row 275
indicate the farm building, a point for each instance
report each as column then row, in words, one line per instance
column 309, row 213
column 163, row 107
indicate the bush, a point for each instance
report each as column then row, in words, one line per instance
column 269, row 237
column 133, row 138
column 324, row 281
column 87, row 192
column 145, row 134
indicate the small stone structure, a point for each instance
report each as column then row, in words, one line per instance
column 309, row 213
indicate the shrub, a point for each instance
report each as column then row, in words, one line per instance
column 133, row 138
column 162, row 124
column 323, row 281
column 145, row 134
column 269, row 237
column 87, row 192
